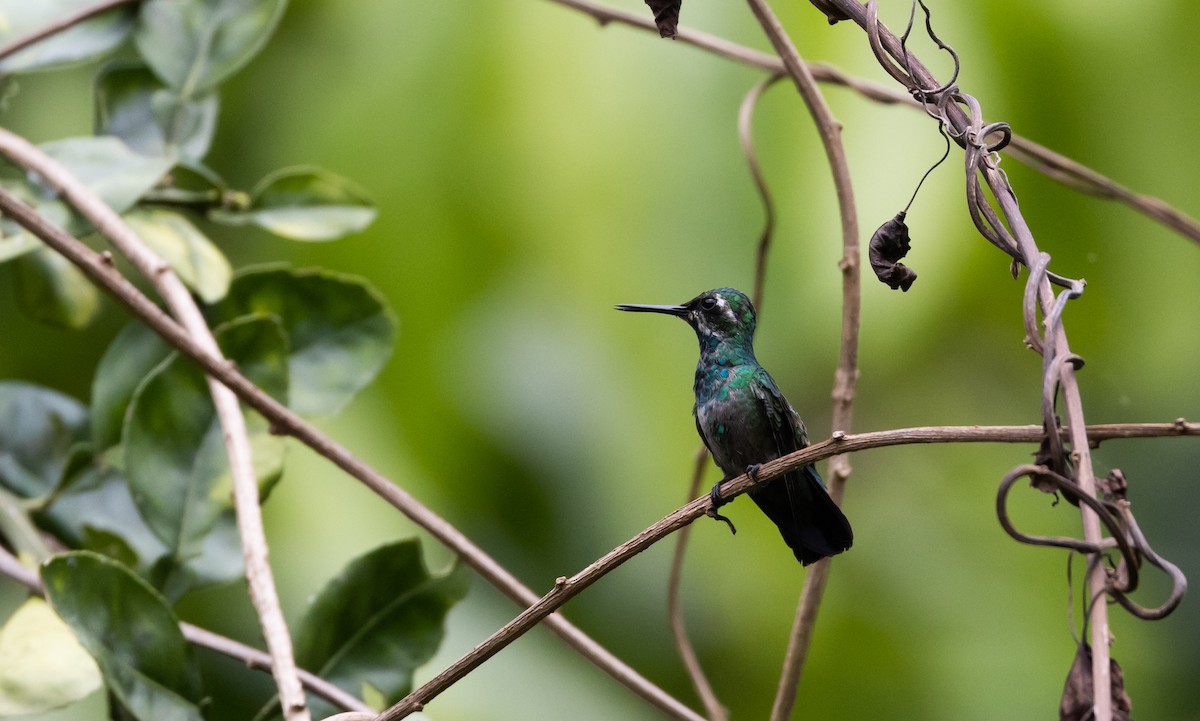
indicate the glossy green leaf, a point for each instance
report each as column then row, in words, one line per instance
column 306, row 204
column 377, row 621
column 42, row 665
column 195, row 44
column 128, row 628
column 109, row 168
column 95, row 511
column 51, row 289
column 16, row 244
column 135, row 106
column 133, row 353
column 175, row 457
column 38, row 427
column 339, row 331
column 83, row 41
column 197, row 261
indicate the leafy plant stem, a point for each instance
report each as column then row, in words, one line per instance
column 237, row 442
column 252, row 657
column 99, row 268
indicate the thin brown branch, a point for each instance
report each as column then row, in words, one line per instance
column 59, row 26
column 746, row 139
column 846, row 376
column 100, row 270
column 712, row 705
column 1054, row 165
column 567, row 588
column 252, row 657
column 260, row 581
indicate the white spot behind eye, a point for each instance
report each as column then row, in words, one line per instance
column 726, row 309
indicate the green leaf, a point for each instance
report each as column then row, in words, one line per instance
column 109, row 168
column 134, row 105
column 198, row 262
column 15, row 241
column 38, row 427
column 305, row 204
column 378, row 621
column 339, row 332
column 133, row 353
column 84, row 41
column 128, row 628
column 42, row 666
column 94, row 510
column 175, row 457
column 49, row 288
column 195, row 44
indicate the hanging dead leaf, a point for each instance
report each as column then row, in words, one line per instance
column 666, row 16
column 888, row 245
column 1077, row 701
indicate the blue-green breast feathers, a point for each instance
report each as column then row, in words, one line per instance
column 744, row 420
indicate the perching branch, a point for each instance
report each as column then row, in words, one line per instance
column 567, row 588
column 253, row 538
column 252, row 657
column 1040, row 158
column 100, row 270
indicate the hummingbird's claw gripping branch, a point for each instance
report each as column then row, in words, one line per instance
column 715, row 496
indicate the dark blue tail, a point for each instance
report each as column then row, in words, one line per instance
column 810, row 522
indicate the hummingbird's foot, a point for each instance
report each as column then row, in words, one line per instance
column 714, row 497
column 752, row 471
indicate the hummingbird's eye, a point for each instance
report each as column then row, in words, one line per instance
column 708, row 303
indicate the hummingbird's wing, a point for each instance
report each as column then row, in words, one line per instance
column 810, row 522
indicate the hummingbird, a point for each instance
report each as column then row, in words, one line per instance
column 745, row 421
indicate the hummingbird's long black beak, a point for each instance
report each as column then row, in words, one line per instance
column 678, row 310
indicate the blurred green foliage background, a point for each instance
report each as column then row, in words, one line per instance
column 532, row 169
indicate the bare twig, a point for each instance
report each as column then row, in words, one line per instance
column 567, row 588
column 66, row 23
column 252, row 657
column 259, row 579
column 687, row 653
column 846, row 375
column 1052, row 164
column 712, row 705
column 256, row 659
column 746, row 139
column 284, row 421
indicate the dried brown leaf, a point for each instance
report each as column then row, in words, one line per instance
column 888, row 245
column 1077, row 700
column 666, row 16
